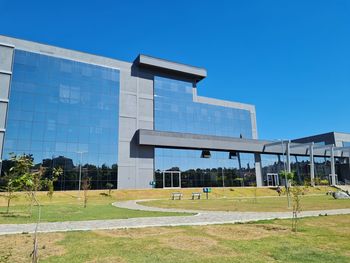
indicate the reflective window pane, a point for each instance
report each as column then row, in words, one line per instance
column 175, row 110
column 61, row 111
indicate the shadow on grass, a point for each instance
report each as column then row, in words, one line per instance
column 14, row 215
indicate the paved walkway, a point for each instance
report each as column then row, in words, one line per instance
column 200, row 218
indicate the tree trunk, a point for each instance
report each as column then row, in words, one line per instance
column 8, row 204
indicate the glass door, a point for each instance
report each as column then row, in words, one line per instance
column 176, row 179
column 171, row 179
column 272, row 179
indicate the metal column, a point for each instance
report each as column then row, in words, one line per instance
column 312, row 165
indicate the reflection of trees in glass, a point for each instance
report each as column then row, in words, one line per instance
column 211, row 177
column 99, row 175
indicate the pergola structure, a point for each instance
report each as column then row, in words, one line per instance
column 309, row 149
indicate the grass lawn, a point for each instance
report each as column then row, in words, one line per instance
column 260, row 204
column 320, row 239
column 68, row 212
column 65, row 206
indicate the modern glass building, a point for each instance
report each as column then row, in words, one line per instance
column 140, row 124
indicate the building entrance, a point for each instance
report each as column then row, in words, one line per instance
column 171, row 179
column 272, row 179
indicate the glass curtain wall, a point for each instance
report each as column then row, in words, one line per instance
column 216, row 171
column 271, row 166
column 301, row 166
column 322, row 169
column 342, row 169
column 64, row 113
column 175, row 110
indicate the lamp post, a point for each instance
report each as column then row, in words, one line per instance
column 81, row 160
column 223, row 178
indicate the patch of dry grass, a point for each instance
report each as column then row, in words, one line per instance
column 19, row 247
column 139, row 233
column 248, row 232
column 108, row 259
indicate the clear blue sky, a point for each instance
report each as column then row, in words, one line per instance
column 289, row 58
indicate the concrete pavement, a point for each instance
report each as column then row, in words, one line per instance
column 200, row 218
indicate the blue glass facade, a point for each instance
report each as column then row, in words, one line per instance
column 175, row 110
column 346, row 144
column 217, row 171
column 63, row 111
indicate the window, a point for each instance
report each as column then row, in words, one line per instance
column 56, row 110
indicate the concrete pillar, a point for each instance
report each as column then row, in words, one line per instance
column 312, row 165
column 258, row 170
column 6, row 64
column 288, row 157
column 333, row 182
column 349, row 161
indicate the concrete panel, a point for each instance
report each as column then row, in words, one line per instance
column 4, row 85
column 195, row 141
column 128, row 83
column 6, row 54
column 126, row 177
column 127, row 128
column 147, row 125
column 128, row 105
column 146, row 109
column 1, row 144
column 124, row 157
column 3, row 110
column 145, row 176
column 170, row 66
column 258, row 170
column 145, row 163
column 146, row 152
column 146, row 87
column 327, row 138
column 340, row 138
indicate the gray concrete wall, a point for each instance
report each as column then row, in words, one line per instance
column 339, row 138
column 136, row 163
column 6, row 61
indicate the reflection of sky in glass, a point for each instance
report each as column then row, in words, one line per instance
column 346, row 144
column 269, row 159
column 174, row 110
column 59, row 107
column 190, row 159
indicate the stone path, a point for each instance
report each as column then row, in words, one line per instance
column 200, row 218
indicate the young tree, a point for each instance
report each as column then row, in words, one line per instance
column 21, row 168
column 10, row 188
column 85, row 186
column 288, row 176
column 296, row 191
column 109, row 187
column 255, row 194
column 31, row 182
column 56, row 173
